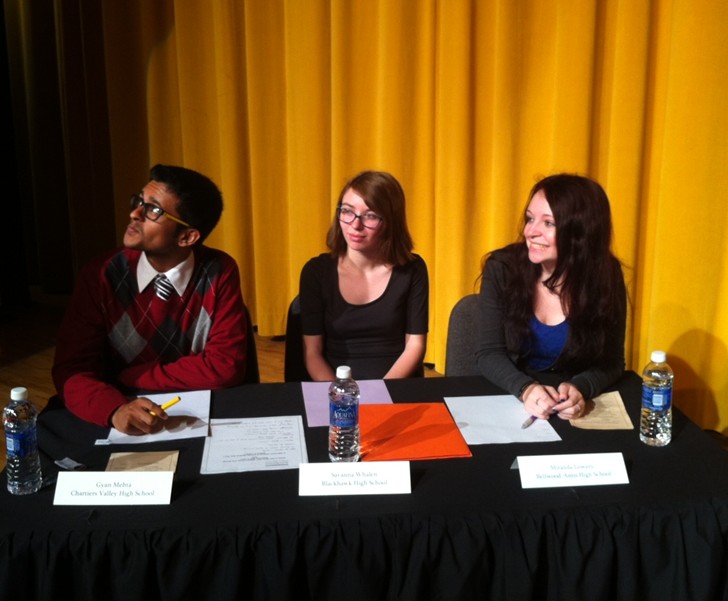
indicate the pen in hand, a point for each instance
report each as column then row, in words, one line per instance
column 167, row 405
column 528, row 422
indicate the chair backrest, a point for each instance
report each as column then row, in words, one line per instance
column 252, row 373
column 294, row 368
column 462, row 336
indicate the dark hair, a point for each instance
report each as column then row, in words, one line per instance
column 588, row 274
column 200, row 200
column 383, row 194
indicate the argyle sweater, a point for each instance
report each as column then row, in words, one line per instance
column 116, row 341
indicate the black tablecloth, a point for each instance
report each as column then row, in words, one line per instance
column 467, row 531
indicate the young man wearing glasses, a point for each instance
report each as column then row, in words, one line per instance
column 164, row 313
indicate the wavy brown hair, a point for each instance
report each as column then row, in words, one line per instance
column 384, row 195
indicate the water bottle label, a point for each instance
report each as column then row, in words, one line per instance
column 344, row 417
column 657, row 400
column 20, row 444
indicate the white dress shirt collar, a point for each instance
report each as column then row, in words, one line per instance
column 180, row 275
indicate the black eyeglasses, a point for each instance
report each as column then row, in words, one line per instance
column 152, row 212
column 369, row 220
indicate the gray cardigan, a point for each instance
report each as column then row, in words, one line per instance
column 501, row 366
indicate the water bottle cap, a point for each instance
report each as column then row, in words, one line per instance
column 19, row 394
column 658, row 356
column 343, row 372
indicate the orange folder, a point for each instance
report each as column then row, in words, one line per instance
column 406, row 431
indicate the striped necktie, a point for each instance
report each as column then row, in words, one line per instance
column 163, row 287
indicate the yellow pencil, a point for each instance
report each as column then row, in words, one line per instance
column 174, row 401
column 167, row 405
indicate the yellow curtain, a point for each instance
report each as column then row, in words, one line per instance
column 467, row 103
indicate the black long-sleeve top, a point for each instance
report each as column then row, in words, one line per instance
column 507, row 369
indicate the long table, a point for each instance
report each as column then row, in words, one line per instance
column 467, row 531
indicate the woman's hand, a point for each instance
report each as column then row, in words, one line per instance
column 540, row 400
column 571, row 402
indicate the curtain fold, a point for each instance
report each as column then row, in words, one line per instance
column 467, row 103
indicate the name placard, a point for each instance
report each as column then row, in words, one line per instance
column 587, row 469
column 370, row 478
column 113, row 488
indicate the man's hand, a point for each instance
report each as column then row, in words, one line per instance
column 135, row 418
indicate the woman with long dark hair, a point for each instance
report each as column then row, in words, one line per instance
column 554, row 304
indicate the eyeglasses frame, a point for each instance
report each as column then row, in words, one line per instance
column 137, row 201
column 359, row 217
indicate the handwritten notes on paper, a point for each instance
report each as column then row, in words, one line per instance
column 256, row 443
column 605, row 412
column 152, row 461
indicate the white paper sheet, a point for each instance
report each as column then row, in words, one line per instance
column 254, row 443
column 187, row 419
column 497, row 419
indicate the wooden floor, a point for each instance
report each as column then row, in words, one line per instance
column 27, row 347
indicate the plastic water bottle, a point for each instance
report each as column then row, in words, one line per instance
column 21, row 438
column 656, row 419
column 344, row 416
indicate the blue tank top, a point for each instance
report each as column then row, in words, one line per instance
column 547, row 342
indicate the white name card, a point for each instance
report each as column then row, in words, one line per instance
column 370, row 478
column 587, row 469
column 113, row 488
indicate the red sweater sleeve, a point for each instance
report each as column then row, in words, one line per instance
column 78, row 369
column 220, row 364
